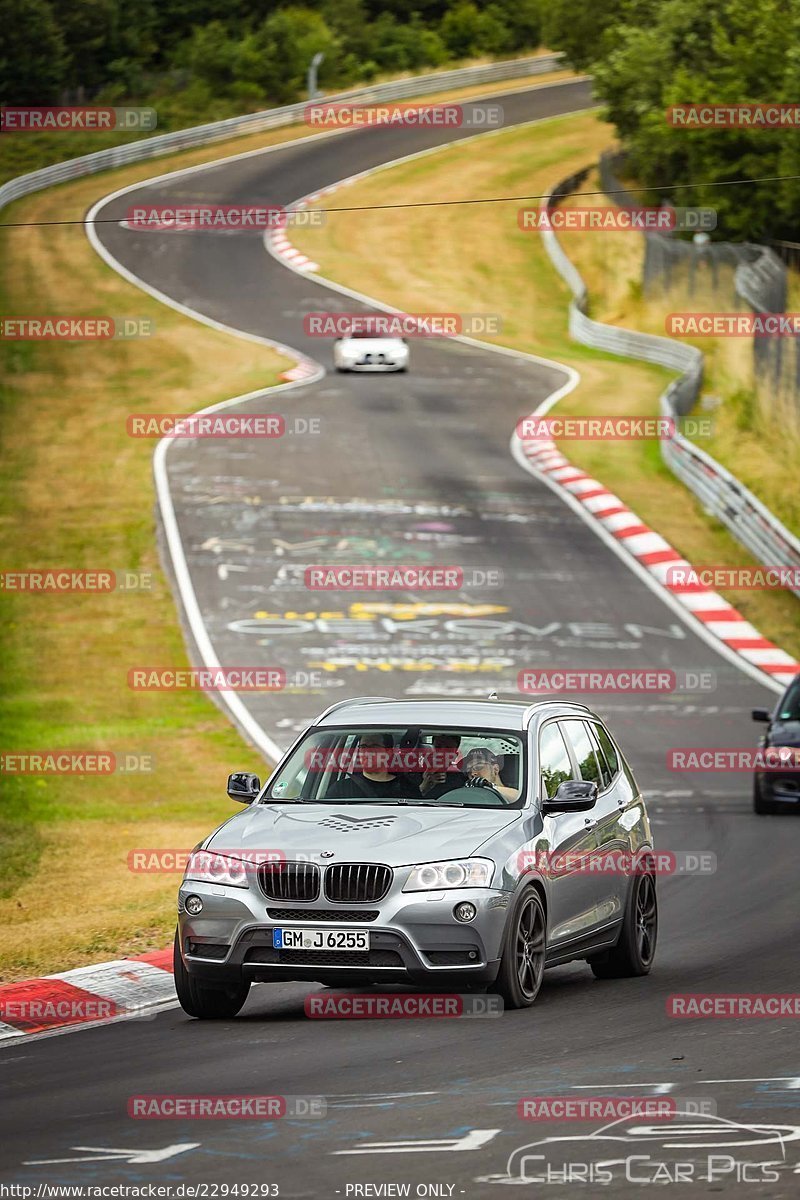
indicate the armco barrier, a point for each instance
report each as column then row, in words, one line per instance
column 759, row 276
column 721, row 494
column 272, row 118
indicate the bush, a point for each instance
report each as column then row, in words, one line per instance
column 467, row 31
column 33, row 55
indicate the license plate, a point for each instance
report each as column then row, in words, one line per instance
column 320, row 939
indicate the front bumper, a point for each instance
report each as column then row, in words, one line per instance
column 393, row 365
column 779, row 787
column 414, row 938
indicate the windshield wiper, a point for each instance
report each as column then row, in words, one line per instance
column 433, row 804
column 393, row 801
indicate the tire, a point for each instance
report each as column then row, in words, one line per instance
column 634, row 952
column 761, row 806
column 524, row 948
column 206, row 1003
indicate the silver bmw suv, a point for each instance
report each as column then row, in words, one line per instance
column 432, row 843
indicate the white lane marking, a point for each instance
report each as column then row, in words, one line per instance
column 470, row 1141
column 697, row 627
column 792, row 1080
column 242, row 716
column 675, row 792
column 373, row 1099
column 101, row 1154
column 517, row 444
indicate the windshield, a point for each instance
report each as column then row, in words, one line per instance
column 404, row 765
column 789, row 707
column 376, row 335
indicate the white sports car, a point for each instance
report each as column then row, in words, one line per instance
column 366, row 352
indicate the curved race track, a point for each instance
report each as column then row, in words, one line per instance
column 421, row 462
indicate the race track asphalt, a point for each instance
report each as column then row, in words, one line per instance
column 418, row 465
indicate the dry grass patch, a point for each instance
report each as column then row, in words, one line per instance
column 77, row 492
column 747, row 436
column 473, row 258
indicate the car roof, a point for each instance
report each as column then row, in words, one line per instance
column 466, row 714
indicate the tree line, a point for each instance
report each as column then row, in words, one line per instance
column 195, row 56
column 649, row 55
column 198, row 60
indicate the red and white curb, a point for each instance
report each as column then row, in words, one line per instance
column 283, row 248
column 94, row 995
column 656, row 555
column 277, row 241
column 645, row 551
column 305, row 369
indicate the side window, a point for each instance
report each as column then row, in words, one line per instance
column 607, row 746
column 578, row 735
column 554, row 760
column 605, row 773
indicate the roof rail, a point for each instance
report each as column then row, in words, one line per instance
column 352, row 700
column 529, row 711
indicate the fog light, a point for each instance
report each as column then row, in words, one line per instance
column 464, row 911
column 193, row 905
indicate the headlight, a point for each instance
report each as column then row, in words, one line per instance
column 216, row 868
column 784, row 758
column 462, row 872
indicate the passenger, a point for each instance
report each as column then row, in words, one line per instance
column 446, row 772
column 483, row 764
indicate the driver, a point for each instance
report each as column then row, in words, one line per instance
column 371, row 779
column 482, row 766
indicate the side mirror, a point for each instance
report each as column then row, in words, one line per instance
column 761, row 714
column 573, row 795
column 243, row 786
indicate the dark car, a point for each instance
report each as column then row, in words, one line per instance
column 778, row 789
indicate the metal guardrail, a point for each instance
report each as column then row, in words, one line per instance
column 721, row 493
column 759, row 275
column 272, row 118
